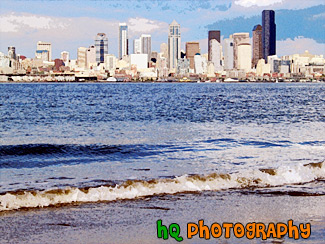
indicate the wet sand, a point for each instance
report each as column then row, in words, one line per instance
column 135, row 221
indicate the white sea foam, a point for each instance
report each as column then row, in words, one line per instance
column 137, row 188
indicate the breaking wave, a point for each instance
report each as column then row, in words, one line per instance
column 133, row 189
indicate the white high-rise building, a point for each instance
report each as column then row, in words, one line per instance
column 146, row 44
column 244, row 59
column 228, row 52
column 45, row 46
column 239, row 38
column 200, row 64
column 137, row 46
column 101, row 44
column 110, row 63
column 82, row 57
column 174, row 44
column 123, row 47
column 216, row 54
column 92, row 57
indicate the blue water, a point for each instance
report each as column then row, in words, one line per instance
column 84, row 135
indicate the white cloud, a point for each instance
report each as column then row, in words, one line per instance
column 299, row 45
column 142, row 26
column 15, row 23
column 260, row 3
column 319, row 16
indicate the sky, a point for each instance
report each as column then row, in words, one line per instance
column 69, row 24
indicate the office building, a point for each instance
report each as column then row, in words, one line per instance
column 228, row 52
column 146, row 44
column 215, row 54
column 213, row 34
column 137, row 46
column 82, row 57
column 268, row 33
column 139, row 60
column 123, row 44
column 164, row 50
column 65, row 57
column 257, row 44
column 239, row 38
column 244, row 57
column 45, row 49
column 192, row 48
column 101, row 44
column 91, row 57
column 174, row 45
column 12, row 52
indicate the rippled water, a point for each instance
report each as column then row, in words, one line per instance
column 158, row 138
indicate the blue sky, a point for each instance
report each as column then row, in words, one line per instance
column 71, row 24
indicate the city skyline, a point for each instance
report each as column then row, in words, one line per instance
column 45, row 28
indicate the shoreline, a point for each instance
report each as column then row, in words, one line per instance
column 121, row 221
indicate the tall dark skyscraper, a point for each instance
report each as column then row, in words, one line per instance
column 268, row 33
column 214, row 34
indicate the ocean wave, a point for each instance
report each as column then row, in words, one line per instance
column 133, row 189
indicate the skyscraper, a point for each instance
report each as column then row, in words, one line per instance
column 44, row 48
column 123, row 44
column 91, row 57
column 244, row 57
column 146, row 44
column 239, row 38
column 174, row 44
column 257, row 44
column 228, row 51
column 137, row 46
column 192, row 48
column 268, row 33
column 215, row 54
column 82, row 57
column 101, row 44
column 214, row 34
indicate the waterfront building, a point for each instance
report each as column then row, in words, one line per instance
column 244, row 57
column 228, row 52
column 183, row 67
column 274, row 62
column 262, row 68
column 213, row 34
column 239, row 38
column 123, row 47
column 192, row 48
column 45, row 50
column 268, row 33
column 257, row 44
column 215, row 54
column 137, row 46
column 101, row 44
column 65, row 57
column 174, row 45
column 110, row 63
